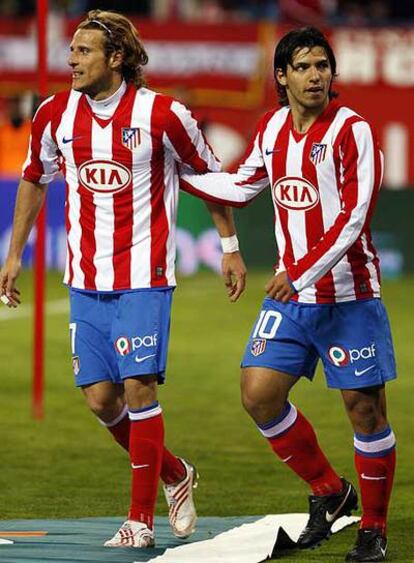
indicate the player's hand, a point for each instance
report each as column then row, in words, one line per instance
column 234, row 274
column 9, row 293
column 279, row 288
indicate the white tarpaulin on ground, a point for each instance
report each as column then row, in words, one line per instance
column 248, row 543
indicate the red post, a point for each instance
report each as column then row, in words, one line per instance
column 39, row 256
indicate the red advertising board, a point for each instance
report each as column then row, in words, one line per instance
column 224, row 72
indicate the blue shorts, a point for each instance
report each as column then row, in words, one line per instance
column 352, row 339
column 119, row 335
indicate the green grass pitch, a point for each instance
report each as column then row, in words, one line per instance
column 68, row 466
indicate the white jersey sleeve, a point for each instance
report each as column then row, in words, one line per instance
column 41, row 164
column 184, row 138
column 232, row 189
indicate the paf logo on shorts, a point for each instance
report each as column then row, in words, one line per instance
column 294, row 193
column 338, row 356
column 104, row 176
column 122, row 345
column 147, row 341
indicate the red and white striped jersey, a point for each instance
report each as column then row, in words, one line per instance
column 324, row 187
column 121, row 183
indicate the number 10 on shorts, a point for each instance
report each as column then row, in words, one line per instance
column 267, row 324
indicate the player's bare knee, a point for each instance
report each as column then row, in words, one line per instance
column 104, row 405
column 365, row 419
column 365, row 412
column 106, row 410
column 259, row 406
column 140, row 391
column 250, row 405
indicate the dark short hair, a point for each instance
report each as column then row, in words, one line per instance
column 298, row 39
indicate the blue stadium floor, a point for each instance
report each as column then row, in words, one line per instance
column 250, row 539
column 82, row 539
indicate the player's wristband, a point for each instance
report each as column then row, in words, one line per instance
column 4, row 299
column 230, row 244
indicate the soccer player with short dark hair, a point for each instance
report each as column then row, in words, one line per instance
column 118, row 144
column 324, row 167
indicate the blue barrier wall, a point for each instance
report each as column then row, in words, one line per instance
column 198, row 244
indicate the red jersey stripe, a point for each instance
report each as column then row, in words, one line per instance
column 122, row 201
column 260, row 172
column 159, row 221
column 60, row 103
column 178, row 136
column 314, row 217
column 350, row 199
column 279, row 157
column 82, row 151
column 69, row 257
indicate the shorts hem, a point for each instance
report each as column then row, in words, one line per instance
column 160, row 375
column 276, row 368
column 363, row 385
column 94, row 380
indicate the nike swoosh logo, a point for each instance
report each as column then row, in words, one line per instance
column 139, row 466
column 65, row 140
column 362, row 371
column 268, row 151
column 287, row 459
column 369, row 478
column 139, row 360
column 331, row 517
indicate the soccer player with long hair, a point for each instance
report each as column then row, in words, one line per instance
column 118, row 144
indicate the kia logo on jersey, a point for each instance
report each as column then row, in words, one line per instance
column 292, row 193
column 104, row 176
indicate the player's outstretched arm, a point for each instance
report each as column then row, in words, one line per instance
column 232, row 265
column 30, row 198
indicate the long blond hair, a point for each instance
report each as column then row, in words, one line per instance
column 120, row 35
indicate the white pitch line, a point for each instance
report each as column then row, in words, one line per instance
column 57, row 307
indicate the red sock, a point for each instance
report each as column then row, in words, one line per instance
column 376, row 475
column 172, row 470
column 145, row 452
column 296, row 444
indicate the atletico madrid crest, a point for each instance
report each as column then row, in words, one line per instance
column 258, row 346
column 131, row 137
column 318, row 153
column 76, row 364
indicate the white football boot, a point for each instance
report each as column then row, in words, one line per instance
column 132, row 534
column 179, row 497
